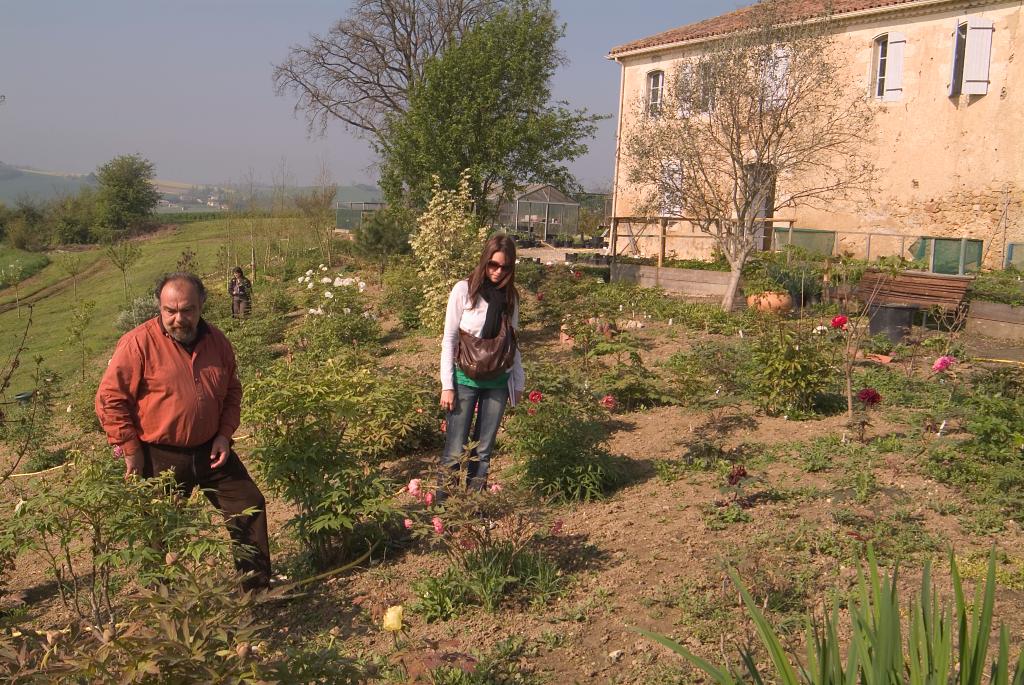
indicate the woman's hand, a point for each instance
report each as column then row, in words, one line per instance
column 448, row 400
column 519, row 396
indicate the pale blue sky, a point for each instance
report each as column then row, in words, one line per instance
column 188, row 83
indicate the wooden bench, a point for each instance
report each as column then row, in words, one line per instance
column 919, row 289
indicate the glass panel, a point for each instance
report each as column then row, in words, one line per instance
column 810, row 239
column 947, row 256
column 1015, row 256
column 972, row 256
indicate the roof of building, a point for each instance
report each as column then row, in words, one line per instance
column 791, row 10
column 538, row 192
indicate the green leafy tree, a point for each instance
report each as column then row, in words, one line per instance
column 383, row 235
column 447, row 242
column 485, row 105
column 126, row 196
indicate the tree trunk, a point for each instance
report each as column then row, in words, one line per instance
column 730, row 290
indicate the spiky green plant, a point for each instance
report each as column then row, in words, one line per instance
column 877, row 653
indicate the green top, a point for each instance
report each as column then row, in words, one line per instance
column 463, row 379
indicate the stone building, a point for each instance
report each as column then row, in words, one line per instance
column 948, row 144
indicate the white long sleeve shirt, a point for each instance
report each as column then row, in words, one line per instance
column 471, row 319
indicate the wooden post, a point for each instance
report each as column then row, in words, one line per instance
column 663, row 225
column 613, row 239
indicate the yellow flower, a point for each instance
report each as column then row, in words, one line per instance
column 393, row 619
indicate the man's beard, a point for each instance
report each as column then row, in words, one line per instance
column 183, row 335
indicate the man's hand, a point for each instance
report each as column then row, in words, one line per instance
column 133, row 464
column 220, row 452
column 448, row 400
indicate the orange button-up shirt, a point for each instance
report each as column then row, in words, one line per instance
column 154, row 391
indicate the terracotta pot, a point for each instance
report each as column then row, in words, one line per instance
column 772, row 301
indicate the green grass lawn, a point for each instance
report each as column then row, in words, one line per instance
column 29, row 262
column 51, row 316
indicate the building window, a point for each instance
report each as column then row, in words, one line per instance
column 1015, row 256
column 951, row 256
column 704, row 98
column 887, row 66
column 655, row 91
column 880, row 52
column 972, row 53
column 959, row 55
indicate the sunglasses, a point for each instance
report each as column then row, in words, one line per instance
column 495, row 266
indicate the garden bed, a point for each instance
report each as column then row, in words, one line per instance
column 693, row 282
column 996, row 320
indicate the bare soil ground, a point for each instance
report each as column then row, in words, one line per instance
column 648, row 556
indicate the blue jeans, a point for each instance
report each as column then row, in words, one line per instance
column 488, row 404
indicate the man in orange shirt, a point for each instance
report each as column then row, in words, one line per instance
column 170, row 399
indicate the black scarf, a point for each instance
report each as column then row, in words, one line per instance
column 496, row 302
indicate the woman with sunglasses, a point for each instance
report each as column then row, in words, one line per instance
column 477, row 306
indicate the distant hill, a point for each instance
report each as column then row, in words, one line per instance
column 39, row 185
column 16, row 182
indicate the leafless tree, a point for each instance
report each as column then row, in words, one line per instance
column 765, row 118
column 361, row 71
column 317, row 209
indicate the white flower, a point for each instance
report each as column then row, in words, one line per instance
column 346, row 310
column 19, row 505
column 338, row 282
column 328, row 294
column 323, row 268
column 362, row 285
column 325, row 280
column 821, row 329
column 309, row 272
column 309, row 286
column 548, row 263
column 300, row 279
column 348, row 281
column 517, row 261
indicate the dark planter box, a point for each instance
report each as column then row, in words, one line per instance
column 995, row 320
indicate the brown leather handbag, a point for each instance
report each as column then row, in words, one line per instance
column 485, row 358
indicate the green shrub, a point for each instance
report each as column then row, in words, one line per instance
column 995, row 416
column 792, row 368
column 257, row 342
column 321, row 429
column 560, row 453
column 142, row 309
column 1004, row 287
column 402, row 294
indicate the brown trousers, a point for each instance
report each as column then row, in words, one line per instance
column 240, row 307
column 231, row 490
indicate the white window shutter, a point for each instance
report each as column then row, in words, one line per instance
column 894, row 67
column 780, row 78
column 979, row 54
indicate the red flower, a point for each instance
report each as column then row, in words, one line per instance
column 535, row 396
column 869, row 397
column 444, row 425
column 738, row 473
column 839, row 321
column 609, row 402
column 540, row 297
column 576, row 274
column 531, row 410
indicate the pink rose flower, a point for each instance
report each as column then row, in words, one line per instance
column 118, row 451
column 556, row 527
column 943, row 363
column 495, row 487
column 438, row 525
column 414, row 487
column 407, row 523
column 428, row 498
column 609, row 402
